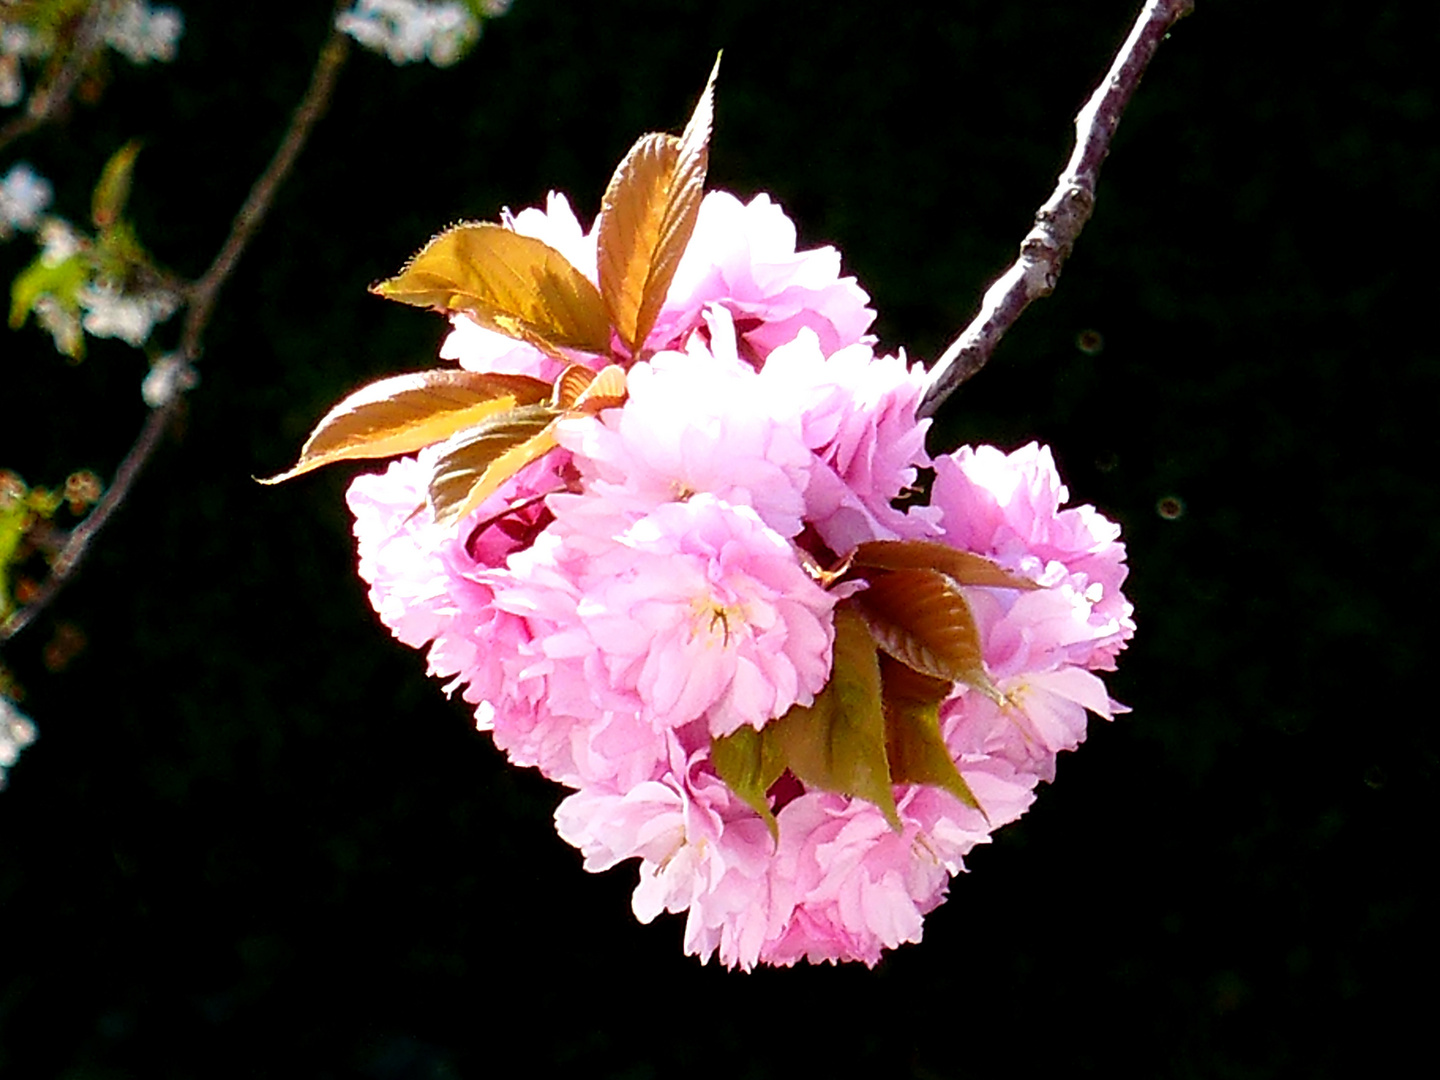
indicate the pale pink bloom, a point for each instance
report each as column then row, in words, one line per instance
column 742, row 256
column 699, row 854
column 401, row 552
column 1028, row 631
column 656, row 598
column 558, row 227
column 857, row 414
column 850, row 887
column 1045, row 713
column 478, row 349
column 696, row 423
column 1007, row 507
column 425, row 580
column 842, row 885
column 697, row 608
column 554, row 708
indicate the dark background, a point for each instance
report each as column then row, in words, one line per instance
column 253, row 839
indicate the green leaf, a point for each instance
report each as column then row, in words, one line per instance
column 838, row 743
column 475, row 462
column 920, row 618
column 49, row 17
column 964, row 567
column 20, row 506
column 749, row 761
column 647, row 217
column 113, row 189
column 404, row 413
column 913, row 744
column 512, row 284
column 14, row 516
column 61, row 282
column 119, row 256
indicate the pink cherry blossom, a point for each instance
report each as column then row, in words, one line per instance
column 1007, row 507
column 651, row 586
column 697, row 422
column 856, row 412
column 424, row 578
column 743, row 256
column 697, row 608
column 840, row 885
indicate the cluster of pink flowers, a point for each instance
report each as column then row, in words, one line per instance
column 653, row 591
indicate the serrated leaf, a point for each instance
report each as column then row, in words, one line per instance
column 512, row 284
column 475, row 462
column 647, row 217
column 628, row 235
column 966, row 568
column 913, row 744
column 838, row 743
column 405, row 413
column 112, row 190
column 749, row 761
column 920, row 618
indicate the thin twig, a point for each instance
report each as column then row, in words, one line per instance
column 49, row 100
column 201, row 299
column 1059, row 221
column 200, row 304
column 78, row 542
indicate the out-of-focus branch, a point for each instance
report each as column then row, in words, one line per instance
column 64, row 565
column 201, row 298
column 1059, row 221
column 50, row 99
column 200, row 303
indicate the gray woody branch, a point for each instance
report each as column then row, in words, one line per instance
column 1059, row 221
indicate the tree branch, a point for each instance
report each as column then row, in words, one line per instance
column 201, row 298
column 1059, row 221
column 200, row 303
column 77, row 544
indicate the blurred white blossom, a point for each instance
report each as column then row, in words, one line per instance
column 127, row 316
column 132, row 28
column 24, row 194
column 440, row 31
column 58, row 241
column 169, row 377
column 16, row 44
column 143, row 33
column 61, row 323
column 17, row 731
